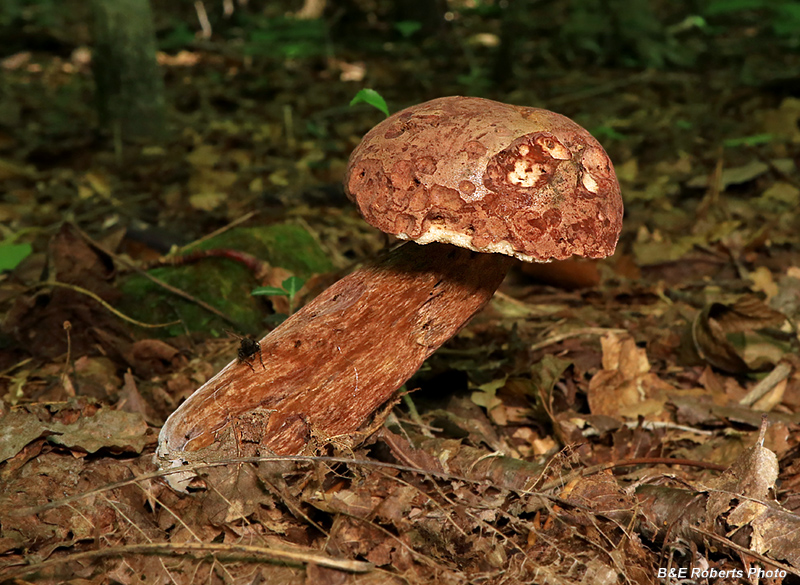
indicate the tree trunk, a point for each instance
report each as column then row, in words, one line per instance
column 129, row 87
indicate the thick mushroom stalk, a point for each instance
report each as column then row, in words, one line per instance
column 333, row 363
column 496, row 179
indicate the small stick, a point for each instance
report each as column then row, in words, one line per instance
column 159, row 282
column 582, row 332
column 775, row 377
column 215, row 233
column 260, row 553
column 105, row 305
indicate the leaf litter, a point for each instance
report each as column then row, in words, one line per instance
column 552, row 421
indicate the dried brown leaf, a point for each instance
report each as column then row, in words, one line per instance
column 716, row 322
column 105, row 428
column 625, row 386
column 753, row 476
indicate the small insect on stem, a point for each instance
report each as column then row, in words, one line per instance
column 249, row 348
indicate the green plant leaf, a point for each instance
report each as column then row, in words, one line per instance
column 272, row 291
column 371, row 97
column 608, row 132
column 753, row 140
column 290, row 38
column 292, row 285
column 407, row 27
column 12, row 254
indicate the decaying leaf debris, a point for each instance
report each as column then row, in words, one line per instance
column 541, row 444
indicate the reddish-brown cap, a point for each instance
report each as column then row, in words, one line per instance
column 490, row 177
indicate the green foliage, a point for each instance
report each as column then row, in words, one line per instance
column 225, row 284
column 586, row 26
column 12, row 254
column 607, row 132
column 786, row 21
column 407, row 28
column 292, row 286
column 371, row 97
column 784, row 15
column 221, row 283
column 627, row 32
column 179, row 37
column 753, row 140
column 39, row 12
column 289, row 289
column 288, row 38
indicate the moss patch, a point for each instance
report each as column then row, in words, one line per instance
column 222, row 283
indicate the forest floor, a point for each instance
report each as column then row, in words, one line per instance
column 547, row 435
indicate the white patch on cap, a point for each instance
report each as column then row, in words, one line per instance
column 554, row 148
column 590, row 183
column 524, row 174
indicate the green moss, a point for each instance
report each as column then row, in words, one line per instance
column 222, row 283
column 286, row 245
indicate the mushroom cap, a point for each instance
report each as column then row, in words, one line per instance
column 490, row 177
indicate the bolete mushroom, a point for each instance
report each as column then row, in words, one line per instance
column 479, row 182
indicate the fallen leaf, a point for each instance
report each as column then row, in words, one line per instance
column 207, row 201
column 713, row 326
column 783, row 120
column 105, row 428
column 733, row 175
column 625, row 386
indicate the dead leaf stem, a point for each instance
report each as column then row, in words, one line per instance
column 158, row 281
column 90, row 294
column 743, row 550
column 585, row 331
column 215, row 233
column 260, row 553
column 775, row 377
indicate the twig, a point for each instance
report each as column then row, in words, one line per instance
column 775, row 168
column 775, row 377
column 328, row 459
column 236, row 460
column 105, row 305
column 653, row 425
column 600, row 467
column 414, row 414
column 599, row 89
column 215, row 233
column 138, row 528
column 8, row 370
column 743, row 550
column 259, row 552
column 315, row 236
column 202, row 18
column 585, row 331
column 253, row 264
column 158, row 281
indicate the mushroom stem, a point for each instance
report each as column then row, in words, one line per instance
column 334, row 362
